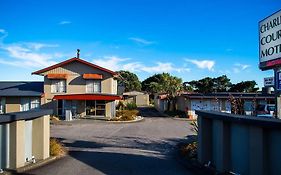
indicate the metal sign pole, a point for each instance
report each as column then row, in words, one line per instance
column 277, row 92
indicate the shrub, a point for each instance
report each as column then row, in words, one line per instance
column 189, row 150
column 120, row 105
column 131, row 106
column 194, row 126
column 56, row 148
column 125, row 115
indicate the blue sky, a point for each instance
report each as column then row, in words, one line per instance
column 189, row 39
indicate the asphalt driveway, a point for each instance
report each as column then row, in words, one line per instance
column 97, row 147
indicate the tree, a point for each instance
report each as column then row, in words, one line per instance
column 129, row 80
column 164, row 83
column 222, row 83
column 205, row 85
column 244, row 86
column 151, row 84
column 209, row 85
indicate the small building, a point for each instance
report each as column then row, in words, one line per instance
column 24, row 137
column 221, row 101
column 79, row 88
column 20, row 96
column 139, row 98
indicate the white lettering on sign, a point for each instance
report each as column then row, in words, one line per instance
column 270, row 38
column 269, row 81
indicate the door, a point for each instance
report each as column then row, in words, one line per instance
column 4, row 146
column 28, row 140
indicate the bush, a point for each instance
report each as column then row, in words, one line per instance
column 56, row 148
column 125, row 115
column 131, row 106
column 189, row 150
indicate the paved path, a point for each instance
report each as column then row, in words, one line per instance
column 96, row 147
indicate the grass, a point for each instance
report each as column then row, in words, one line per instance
column 56, row 148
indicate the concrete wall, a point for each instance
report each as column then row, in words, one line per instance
column 15, row 139
column 240, row 144
column 142, row 100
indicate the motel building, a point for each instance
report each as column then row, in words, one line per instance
column 72, row 88
column 76, row 88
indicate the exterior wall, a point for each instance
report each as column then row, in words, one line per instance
column 12, row 104
column 41, row 137
column 142, row 100
column 110, row 109
column 240, row 144
column 17, row 137
column 75, row 84
column 15, row 142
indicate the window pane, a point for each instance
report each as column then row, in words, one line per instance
column 35, row 103
column 25, row 104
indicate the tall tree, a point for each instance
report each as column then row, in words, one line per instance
column 222, row 83
column 164, row 83
column 209, row 85
column 129, row 80
column 244, row 86
column 151, row 84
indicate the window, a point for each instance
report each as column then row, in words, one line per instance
column 93, row 86
column 24, row 104
column 58, row 86
column 29, row 103
column 34, row 103
column 2, row 105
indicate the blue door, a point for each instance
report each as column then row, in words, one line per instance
column 4, row 146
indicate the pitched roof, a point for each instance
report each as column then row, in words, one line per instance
column 21, row 88
column 70, row 61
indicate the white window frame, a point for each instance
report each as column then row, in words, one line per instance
column 93, row 86
column 24, row 104
column 58, row 86
column 27, row 103
column 2, row 105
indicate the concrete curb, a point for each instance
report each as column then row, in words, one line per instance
column 184, row 119
column 37, row 164
column 132, row 121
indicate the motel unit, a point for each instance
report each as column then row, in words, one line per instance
column 189, row 102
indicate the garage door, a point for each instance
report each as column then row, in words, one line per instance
column 28, row 140
column 4, row 146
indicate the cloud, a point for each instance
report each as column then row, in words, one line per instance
column 3, row 34
column 64, row 22
column 238, row 67
column 38, row 46
column 117, row 63
column 203, row 64
column 27, row 55
column 141, row 41
column 242, row 66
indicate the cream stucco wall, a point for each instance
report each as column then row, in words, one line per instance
column 41, row 137
column 75, row 84
column 17, row 140
column 12, row 104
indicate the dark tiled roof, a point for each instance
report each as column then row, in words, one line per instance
column 25, row 115
column 21, row 88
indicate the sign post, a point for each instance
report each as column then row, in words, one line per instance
column 270, row 52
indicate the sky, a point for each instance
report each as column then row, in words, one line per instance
column 188, row 39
